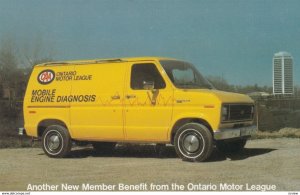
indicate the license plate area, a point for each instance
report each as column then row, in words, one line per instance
column 246, row 131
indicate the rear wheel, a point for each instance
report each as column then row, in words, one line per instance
column 104, row 147
column 193, row 142
column 56, row 141
column 231, row 146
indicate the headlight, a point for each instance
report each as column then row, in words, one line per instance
column 225, row 112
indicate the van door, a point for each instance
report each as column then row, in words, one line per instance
column 148, row 111
column 97, row 102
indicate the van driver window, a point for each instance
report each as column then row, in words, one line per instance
column 147, row 72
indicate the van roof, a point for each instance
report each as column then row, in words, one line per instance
column 102, row 61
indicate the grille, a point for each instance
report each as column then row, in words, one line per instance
column 239, row 112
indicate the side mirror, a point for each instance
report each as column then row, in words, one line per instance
column 149, row 85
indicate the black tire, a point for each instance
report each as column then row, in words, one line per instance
column 104, row 147
column 193, row 142
column 231, row 146
column 56, row 141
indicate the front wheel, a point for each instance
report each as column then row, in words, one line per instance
column 56, row 141
column 193, row 142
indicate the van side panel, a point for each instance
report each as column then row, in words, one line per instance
column 100, row 115
column 41, row 99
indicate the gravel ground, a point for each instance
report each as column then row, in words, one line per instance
column 263, row 162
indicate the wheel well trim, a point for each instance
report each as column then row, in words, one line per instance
column 44, row 123
column 180, row 122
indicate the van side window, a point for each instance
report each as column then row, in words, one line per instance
column 145, row 72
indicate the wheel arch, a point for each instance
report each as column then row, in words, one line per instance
column 46, row 123
column 183, row 121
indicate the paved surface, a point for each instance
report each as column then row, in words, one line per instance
column 266, row 161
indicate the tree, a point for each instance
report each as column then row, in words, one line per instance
column 16, row 63
column 8, row 60
column 36, row 52
column 297, row 90
column 220, row 83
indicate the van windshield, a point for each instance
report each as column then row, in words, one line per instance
column 184, row 75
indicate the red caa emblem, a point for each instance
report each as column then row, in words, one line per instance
column 46, row 77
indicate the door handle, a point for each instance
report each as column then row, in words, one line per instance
column 115, row 97
column 130, row 96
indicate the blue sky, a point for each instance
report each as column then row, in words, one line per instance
column 235, row 39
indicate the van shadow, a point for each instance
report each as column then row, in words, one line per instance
column 128, row 151
column 150, row 151
column 242, row 155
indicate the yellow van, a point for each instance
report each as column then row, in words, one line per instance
column 137, row 100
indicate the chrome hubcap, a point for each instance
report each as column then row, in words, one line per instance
column 53, row 142
column 191, row 143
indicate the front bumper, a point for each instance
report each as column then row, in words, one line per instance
column 234, row 133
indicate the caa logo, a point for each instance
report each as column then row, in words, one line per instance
column 46, row 77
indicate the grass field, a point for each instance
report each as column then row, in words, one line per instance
column 285, row 132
